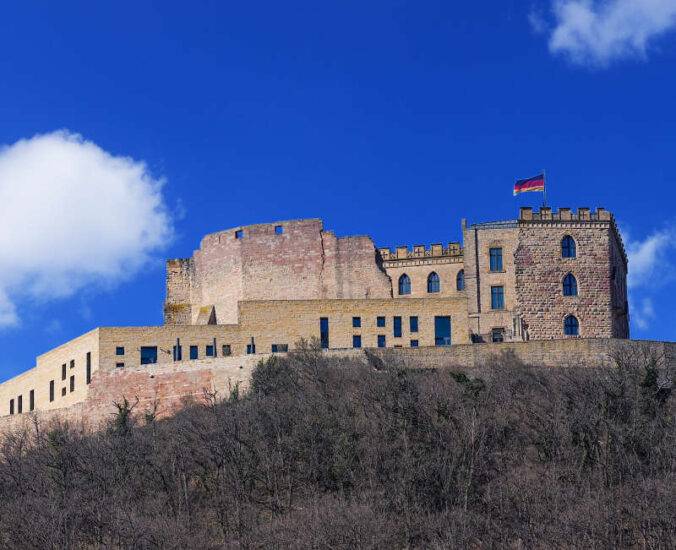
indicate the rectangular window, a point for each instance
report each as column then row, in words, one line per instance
column 19, row 404
column 414, row 324
column 89, row 367
column 72, row 363
column 250, row 349
column 356, row 341
column 226, row 350
column 209, row 352
column 31, row 400
column 239, row 234
column 119, row 365
column 178, row 353
column 119, row 350
column 380, row 321
column 279, row 230
column 414, row 343
column 497, row 297
column 72, row 383
column 280, row 348
column 63, row 371
column 194, row 352
column 148, row 355
column 11, row 406
column 51, row 391
column 442, row 331
column 356, row 322
column 496, row 259
column 381, row 340
column 324, row 332
column 63, row 392
column 613, row 272
column 397, row 327
column 498, row 335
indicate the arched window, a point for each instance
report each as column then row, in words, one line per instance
column 568, row 248
column 460, row 280
column 569, row 285
column 404, row 284
column 571, row 326
column 433, row 282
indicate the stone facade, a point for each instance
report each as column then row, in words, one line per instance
column 259, row 289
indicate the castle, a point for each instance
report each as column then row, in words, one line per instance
column 253, row 290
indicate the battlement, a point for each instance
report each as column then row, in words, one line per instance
column 545, row 213
column 420, row 251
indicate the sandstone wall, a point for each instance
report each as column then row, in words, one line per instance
column 257, row 263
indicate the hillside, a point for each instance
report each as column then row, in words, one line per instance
column 330, row 453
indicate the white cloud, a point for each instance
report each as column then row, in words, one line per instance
column 597, row 32
column 73, row 216
column 650, row 269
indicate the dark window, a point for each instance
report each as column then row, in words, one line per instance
column 11, row 406
column 279, row 230
column 280, row 348
column 356, row 322
column 89, row 367
column 497, row 335
column 613, row 273
column 404, row 284
column 148, row 355
column 569, row 285
column 51, row 391
column 194, row 352
column 119, row 365
column 497, row 297
column 460, row 280
column 442, row 331
column 356, row 341
column 250, row 349
column 72, row 363
column 414, row 324
column 433, row 282
column 414, row 343
column 178, row 353
column 63, row 371
column 31, row 400
column 496, row 259
column 226, row 350
column 239, row 234
column 63, row 392
column 324, row 332
column 568, row 248
column 72, row 383
column 209, row 352
column 571, row 326
column 119, row 350
column 380, row 321
column 397, row 327
column 19, row 404
column 381, row 340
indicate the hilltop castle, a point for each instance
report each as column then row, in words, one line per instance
column 259, row 289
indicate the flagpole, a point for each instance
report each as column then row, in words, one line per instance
column 544, row 189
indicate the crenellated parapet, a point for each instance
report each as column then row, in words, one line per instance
column 437, row 251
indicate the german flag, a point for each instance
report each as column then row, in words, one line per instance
column 536, row 183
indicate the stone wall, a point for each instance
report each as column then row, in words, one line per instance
column 164, row 389
column 298, row 261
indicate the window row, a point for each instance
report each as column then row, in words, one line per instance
column 433, row 283
column 442, row 330
column 19, row 403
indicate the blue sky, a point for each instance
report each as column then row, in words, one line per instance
column 130, row 130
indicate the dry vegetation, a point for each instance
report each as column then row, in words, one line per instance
column 330, row 453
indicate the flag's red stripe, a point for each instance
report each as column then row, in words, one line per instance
column 530, row 184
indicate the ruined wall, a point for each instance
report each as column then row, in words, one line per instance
column 540, row 270
column 257, row 262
